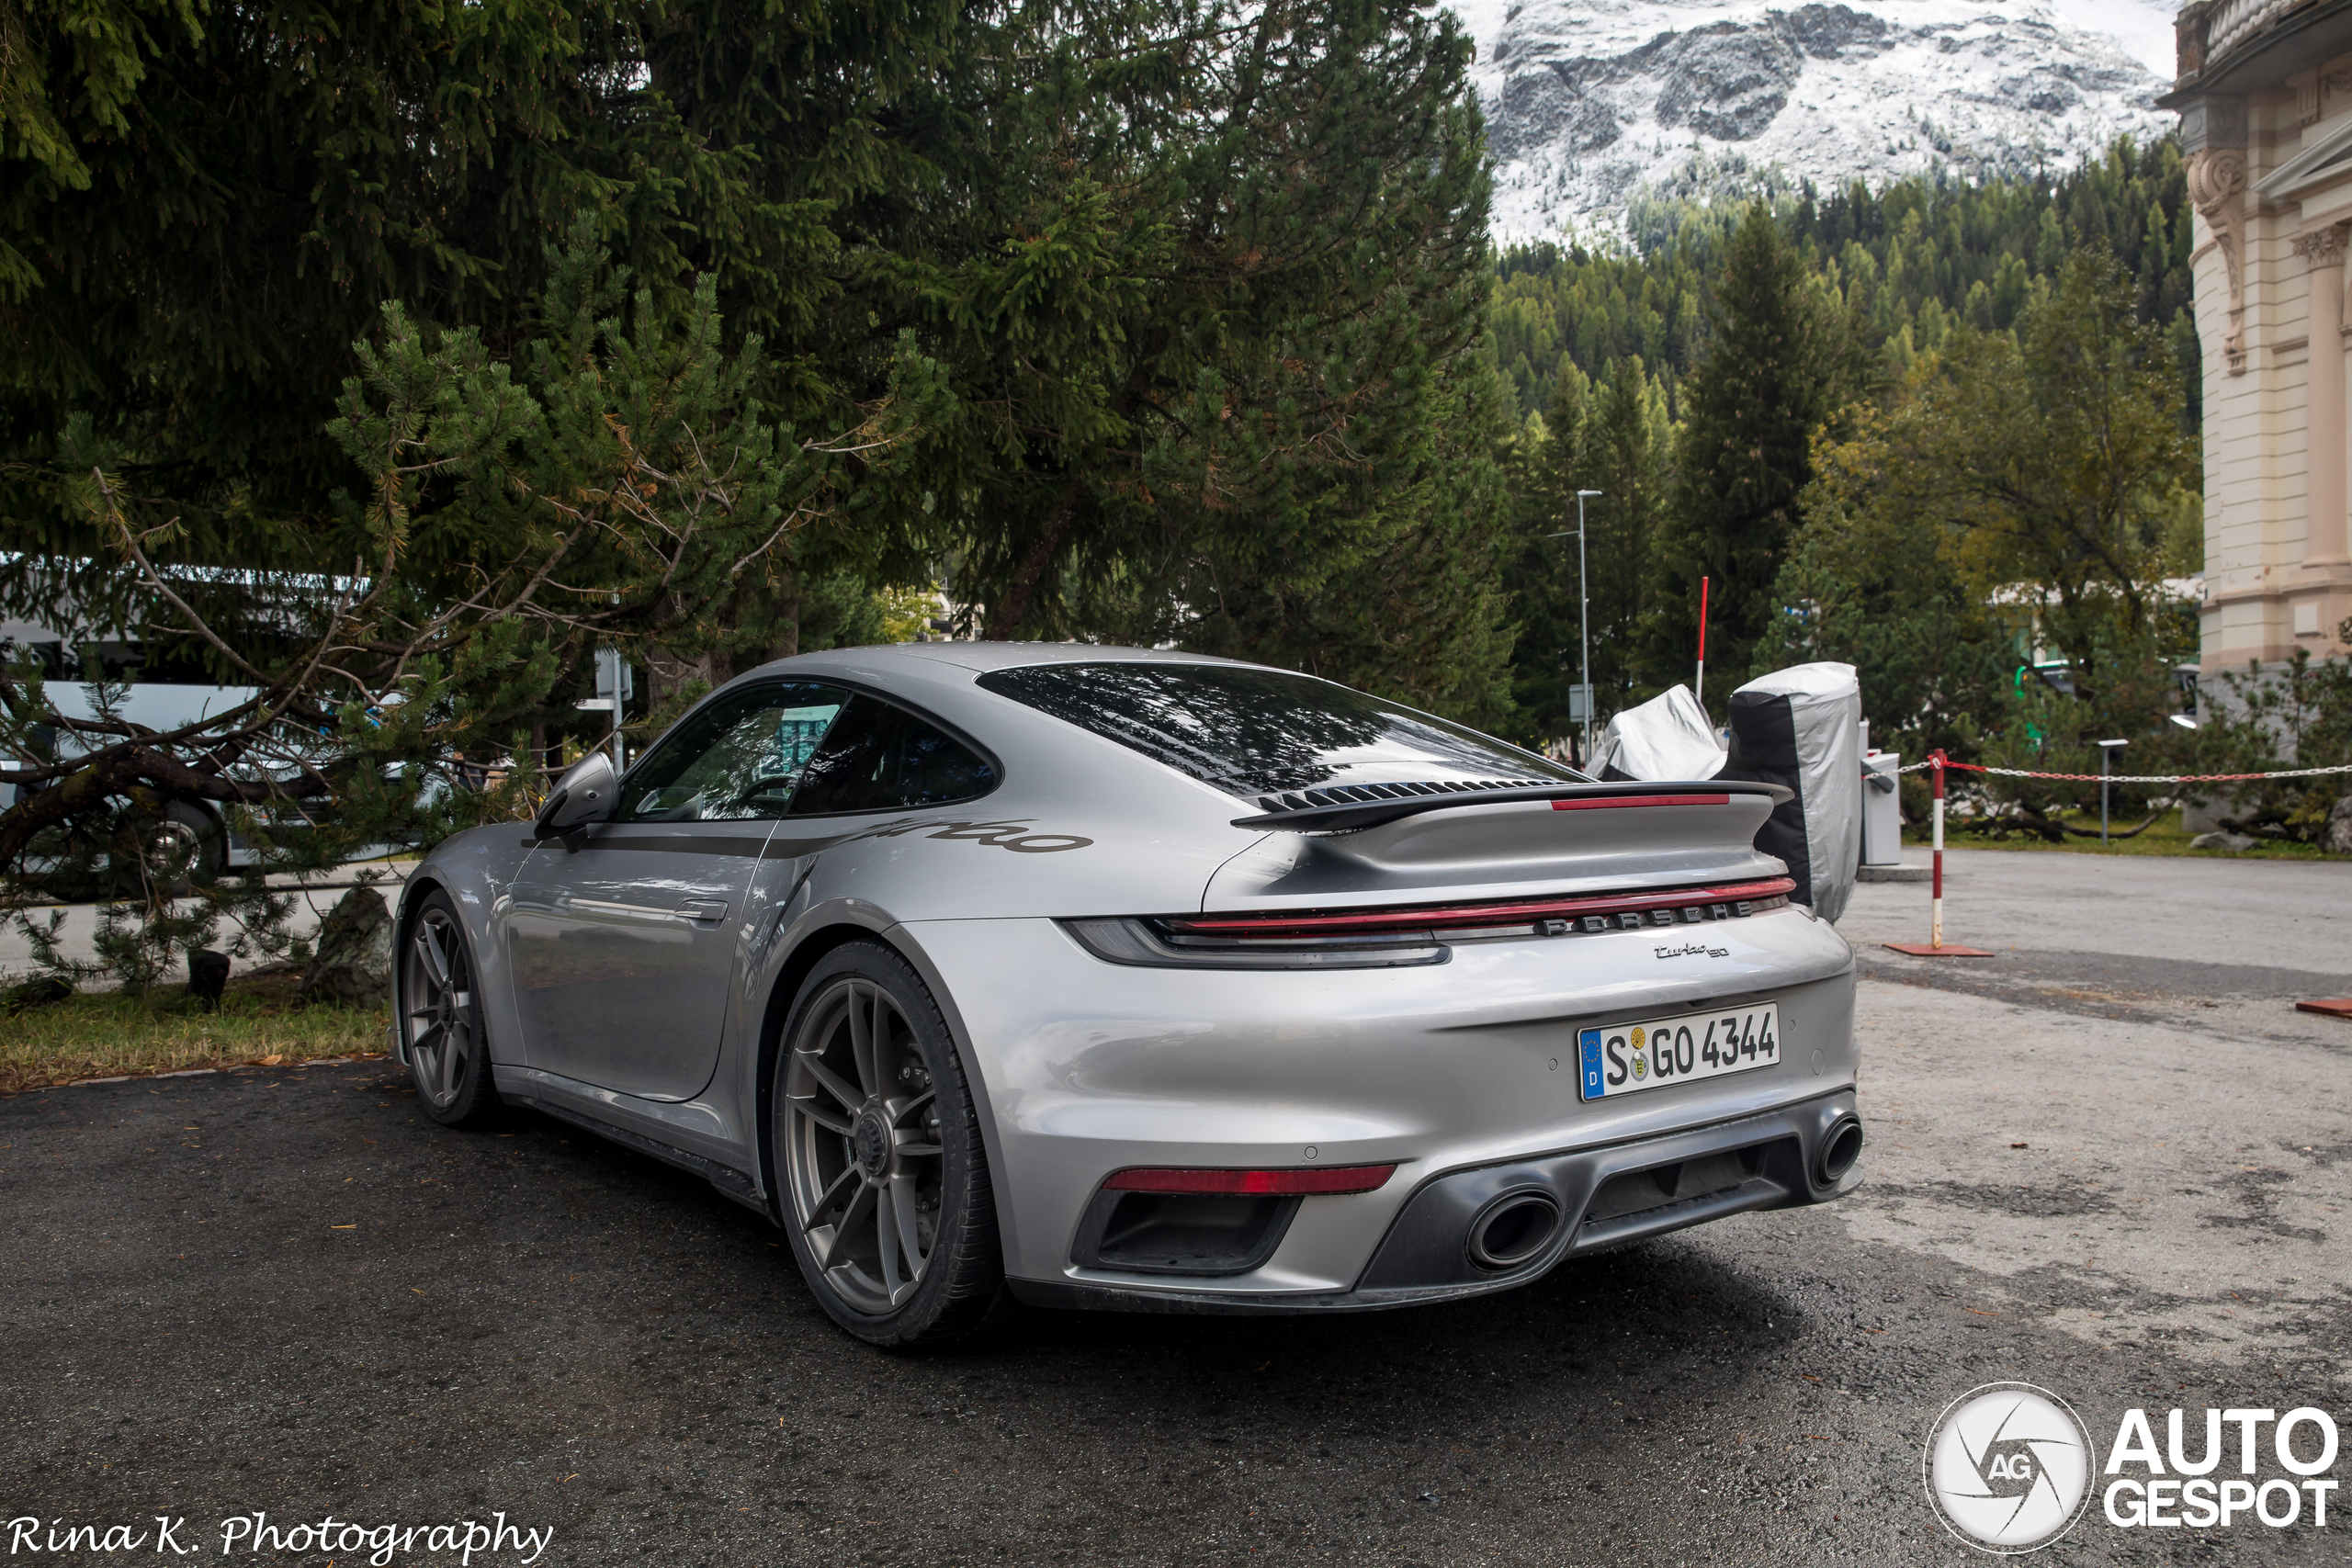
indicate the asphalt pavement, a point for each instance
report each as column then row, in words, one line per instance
column 2110, row 1161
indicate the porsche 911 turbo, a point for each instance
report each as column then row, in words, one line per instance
column 1114, row 978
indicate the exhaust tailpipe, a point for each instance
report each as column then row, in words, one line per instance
column 1512, row 1229
column 1840, row 1147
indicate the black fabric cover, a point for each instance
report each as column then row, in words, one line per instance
column 1764, row 750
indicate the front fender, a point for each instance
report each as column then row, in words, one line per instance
column 475, row 869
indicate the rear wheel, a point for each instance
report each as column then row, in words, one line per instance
column 440, row 1009
column 885, row 1182
column 184, row 842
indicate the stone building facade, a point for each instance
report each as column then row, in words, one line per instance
column 2265, row 95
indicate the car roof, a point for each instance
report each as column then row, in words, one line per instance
column 983, row 657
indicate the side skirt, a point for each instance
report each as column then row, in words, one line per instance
column 735, row 1184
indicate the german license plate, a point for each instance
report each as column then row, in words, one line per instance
column 1627, row 1058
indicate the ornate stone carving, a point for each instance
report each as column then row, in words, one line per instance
column 2321, row 247
column 2217, row 185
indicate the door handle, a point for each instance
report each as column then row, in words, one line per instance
column 702, row 910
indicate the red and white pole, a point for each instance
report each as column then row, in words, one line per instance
column 1935, row 899
column 1934, row 946
column 1700, row 690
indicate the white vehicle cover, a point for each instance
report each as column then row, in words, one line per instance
column 1802, row 726
column 1666, row 738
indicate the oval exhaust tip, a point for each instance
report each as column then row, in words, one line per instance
column 1512, row 1229
column 1841, row 1149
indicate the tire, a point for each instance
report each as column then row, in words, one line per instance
column 881, row 1168
column 186, row 841
column 439, row 1011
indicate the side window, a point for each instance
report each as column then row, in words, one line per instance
column 881, row 758
column 739, row 759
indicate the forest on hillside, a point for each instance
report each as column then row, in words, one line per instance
column 1744, row 388
column 1907, row 263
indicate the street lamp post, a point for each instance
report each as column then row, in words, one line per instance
column 1584, row 624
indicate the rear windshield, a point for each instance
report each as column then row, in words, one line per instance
column 1253, row 732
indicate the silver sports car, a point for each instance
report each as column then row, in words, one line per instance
column 1112, row 978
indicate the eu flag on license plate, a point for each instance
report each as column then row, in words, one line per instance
column 1588, row 1049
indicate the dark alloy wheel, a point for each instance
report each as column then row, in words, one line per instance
column 441, row 1013
column 885, row 1181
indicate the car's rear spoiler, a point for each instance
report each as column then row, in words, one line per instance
column 1345, row 808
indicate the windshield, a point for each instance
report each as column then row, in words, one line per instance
column 1252, row 731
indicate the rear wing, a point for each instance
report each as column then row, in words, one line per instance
column 1342, row 808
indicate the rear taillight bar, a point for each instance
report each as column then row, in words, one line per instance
column 1295, row 1182
column 1619, row 803
column 1449, row 917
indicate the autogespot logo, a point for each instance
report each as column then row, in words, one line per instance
column 2008, row 1467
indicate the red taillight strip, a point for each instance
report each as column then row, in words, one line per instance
column 1443, row 916
column 1292, row 1183
column 1610, row 803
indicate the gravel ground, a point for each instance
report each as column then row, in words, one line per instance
column 287, row 1291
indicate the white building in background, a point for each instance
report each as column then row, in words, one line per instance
column 2265, row 94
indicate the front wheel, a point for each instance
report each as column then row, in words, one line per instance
column 440, row 1011
column 885, row 1179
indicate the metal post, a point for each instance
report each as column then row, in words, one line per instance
column 615, row 683
column 2106, row 751
column 1584, row 626
column 1936, row 897
column 1584, row 621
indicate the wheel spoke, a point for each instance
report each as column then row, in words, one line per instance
column 904, row 1108
column 886, row 1240
column 843, row 1094
column 832, row 1195
column 863, row 1047
column 436, row 967
column 449, row 1063
column 902, row 1204
column 860, row 1206
column 884, row 1079
column 831, row 1121
column 916, row 1150
column 426, row 1038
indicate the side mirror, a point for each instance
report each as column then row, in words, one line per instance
column 586, row 793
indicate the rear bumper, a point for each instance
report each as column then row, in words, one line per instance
column 1605, row 1198
column 1084, row 1068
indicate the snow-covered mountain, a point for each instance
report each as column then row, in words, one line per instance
column 1590, row 101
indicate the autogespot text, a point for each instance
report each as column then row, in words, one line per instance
column 2177, row 1487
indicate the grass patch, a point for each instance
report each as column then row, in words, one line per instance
column 113, row 1035
column 2165, row 837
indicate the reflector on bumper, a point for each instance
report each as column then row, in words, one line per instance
column 1287, row 1183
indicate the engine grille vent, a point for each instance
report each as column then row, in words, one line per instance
column 1351, row 795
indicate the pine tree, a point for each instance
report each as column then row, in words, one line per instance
column 1207, row 392
column 1778, row 361
column 1611, row 437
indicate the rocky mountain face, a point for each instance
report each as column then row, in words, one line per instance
column 1591, row 104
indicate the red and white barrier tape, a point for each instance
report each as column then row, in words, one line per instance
column 2132, row 778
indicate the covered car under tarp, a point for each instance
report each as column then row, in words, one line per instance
column 1801, row 728
column 1666, row 738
